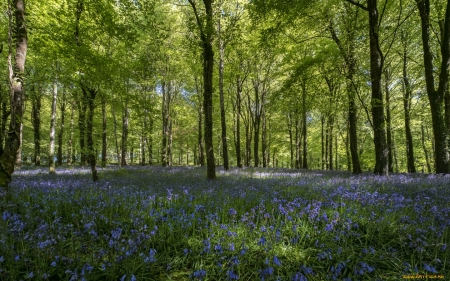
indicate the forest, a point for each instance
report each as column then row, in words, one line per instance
column 224, row 140
column 330, row 85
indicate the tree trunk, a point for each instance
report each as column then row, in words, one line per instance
column 116, row 137
column 51, row 153
column 436, row 97
column 82, row 107
column 124, row 148
column 350, row 61
column 104, row 128
column 407, row 111
column 304, row 131
column 264, row 144
column 90, row 94
column 36, row 119
column 12, row 143
column 425, row 150
column 150, row 141
column 238, row 121
column 201, row 153
column 226, row 165
column 206, row 34
column 256, row 123
column 376, row 66
column 62, row 109
column 165, row 122
column 388, row 121
column 70, row 142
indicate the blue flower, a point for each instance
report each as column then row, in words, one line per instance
column 299, row 277
column 429, row 268
column 231, row 275
column 199, row 274
column 262, row 241
column 276, row 261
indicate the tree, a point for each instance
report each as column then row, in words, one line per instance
column 17, row 75
column 437, row 96
column 206, row 30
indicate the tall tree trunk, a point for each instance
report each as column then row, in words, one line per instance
column 304, row 129
column 407, row 110
column 62, row 109
column 70, row 142
column 36, row 118
column 150, row 141
column 376, row 66
column 4, row 118
column 291, row 139
column 201, row 153
column 206, row 34
column 330, row 142
column 170, row 145
column 226, row 165
column 165, row 122
column 116, row 137
column 51, row 153
column 425, row 150
column 238, row 121
column 264, row 145
column 12, row 143
column 82, row 107
column 256, row 123
column 125, row 123
column 90, row 95
column 322, row 123
column 104, row 128
column 350, row 61
column 387, row 79
column 436, row 96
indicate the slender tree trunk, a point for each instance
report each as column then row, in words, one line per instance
column 264, row 144
column 62, row 109
column 350, row 60
column 226, row 165
column 51, row 154
column 165, row 123
column 291, row 140
column 82, row 107
column 4, row 119
column 407, row 109
column 124, row 148
column 206, row 34
column 388, row 121
column 170, row 144
column 425, row 150
column 436, row 96
column 150, row 141
column 238, row 122
column 376, row 66
column 256, row 123
column 36, row 118
column 90, row 94
column 12, row 143
column 330, row 142
column 104, row 133
column 116, row 137
column 304, row 129
column 70, row 142
column 201, row 154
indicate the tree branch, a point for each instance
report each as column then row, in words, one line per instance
column 358, row 4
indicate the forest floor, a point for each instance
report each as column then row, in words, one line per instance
column 153, row 223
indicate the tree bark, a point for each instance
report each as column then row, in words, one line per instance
column 36, row 119
column 238, row 121
column 12, row 143
column 407, row 111
column 62, row 110
column 436, row 96
column 350, row 61
column 116, row 137
column 201, row 153
column 104, row 133
column 390, row 143
column 304, row 128
column 376, row 66
column 124, row 144
column 90, row 95
column 206, row 34
column 51, row 153
column 70, row 142
column 82, row 107
column 226, row 165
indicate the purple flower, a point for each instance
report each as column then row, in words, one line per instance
column 231, row 275
column 232, row 212
column 299, row 277
column 262, row 241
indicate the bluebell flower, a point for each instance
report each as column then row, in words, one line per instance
column 429, row 268
column 299, row 277
column 276, row 261
column 231, row 247
column 30, row 275
column 232, row 212
column 231, row 275
column 53, row 263
column 199, row 274
column 262, row 241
